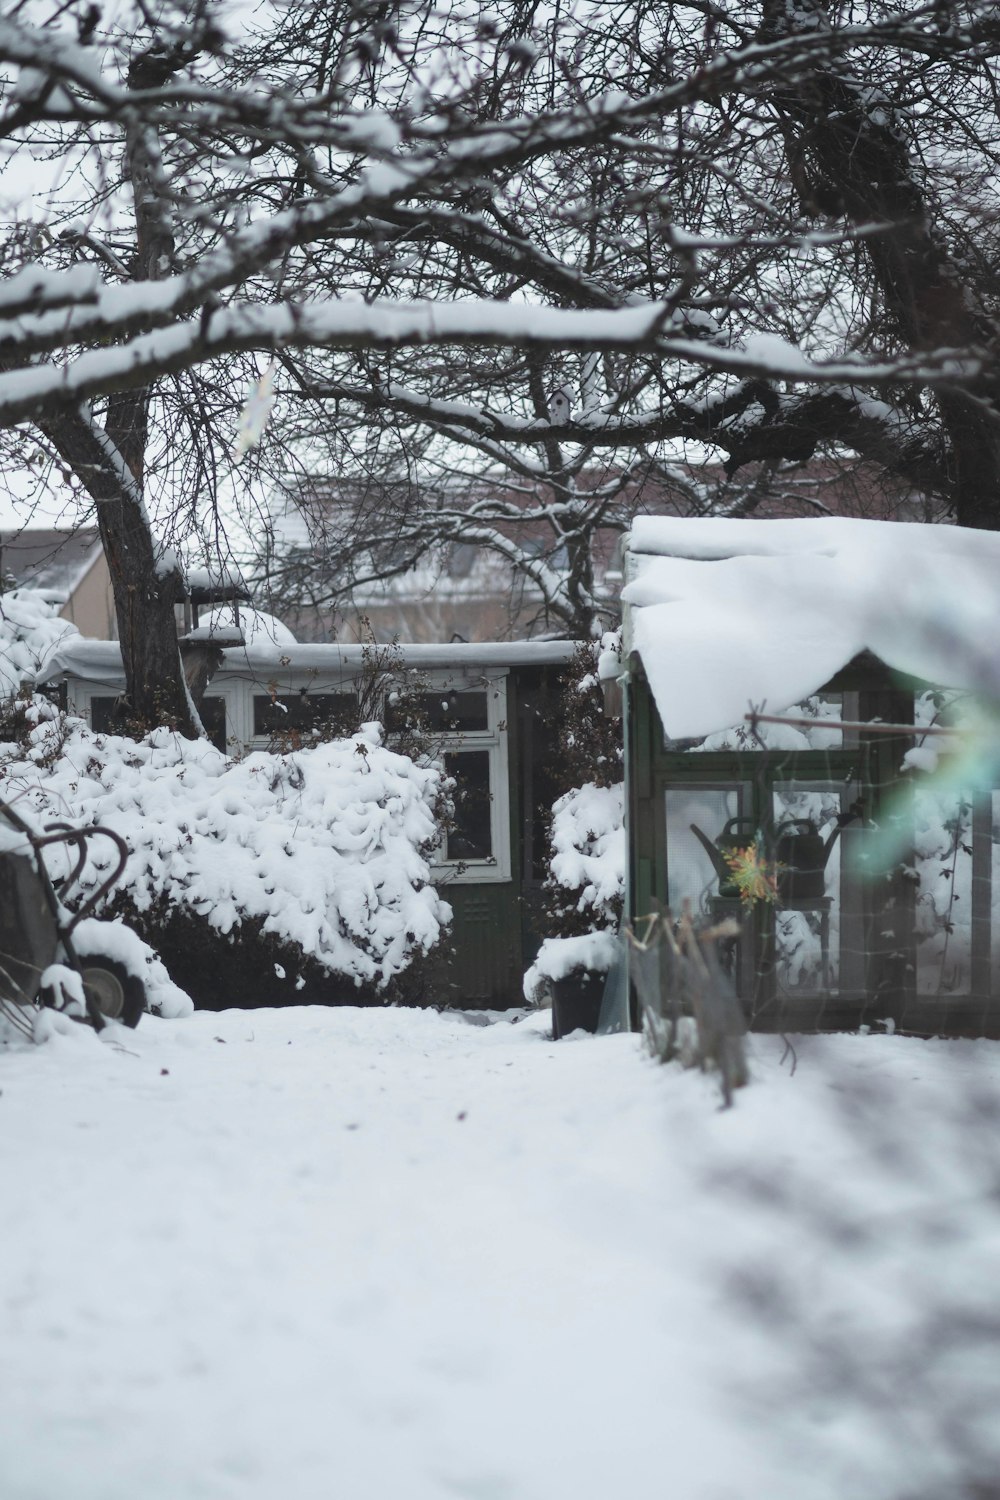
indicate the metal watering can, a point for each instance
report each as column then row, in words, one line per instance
column 737, row 834
column 801, row 854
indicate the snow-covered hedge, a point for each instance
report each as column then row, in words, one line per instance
column 29, row 631
column 587, row 871
column 588, row 850
column 585, row 884
column 326, row 850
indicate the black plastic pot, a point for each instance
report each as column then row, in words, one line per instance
column 576, row 1002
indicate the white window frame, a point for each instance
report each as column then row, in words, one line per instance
column 239, row 694
column 288, row 684
column 494, row 740
column 80, row 696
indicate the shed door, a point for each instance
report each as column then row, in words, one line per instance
column 486, row 968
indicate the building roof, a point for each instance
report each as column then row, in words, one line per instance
column 53, row 562
column 728, row 614
column 100, row 661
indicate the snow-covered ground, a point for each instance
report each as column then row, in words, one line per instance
column 391, row 1255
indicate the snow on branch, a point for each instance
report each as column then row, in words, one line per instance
column 387, row 324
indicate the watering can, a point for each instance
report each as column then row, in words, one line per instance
column 737, row 834
column 801, row 854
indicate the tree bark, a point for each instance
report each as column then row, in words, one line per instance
column 146, row 585
column 849, row 156
column 111, row 465
column 144, row 590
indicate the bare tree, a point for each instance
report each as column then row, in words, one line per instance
column 647, row 202
column 763, row 232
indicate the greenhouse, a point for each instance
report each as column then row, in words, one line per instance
column 814, row 754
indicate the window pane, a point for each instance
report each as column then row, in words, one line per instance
column 102, row 715
column 289, row 712
column 213, row 716
column 943, row 827
column 693, row 873
column 453, row 712
column 815, row 939
column 471, row 837
column 817, row 727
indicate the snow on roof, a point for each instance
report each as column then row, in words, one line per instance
column 206, row 579
column 100, row 661
column 258, row 628
column 50, row 560
column 728, row 613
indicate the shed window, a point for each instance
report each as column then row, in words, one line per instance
column 304, row 713
column 467, row 722
column 448, row 712
column 105, row 717
column 696, row 815
column 471, row 837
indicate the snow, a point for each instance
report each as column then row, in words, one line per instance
column 100, row 661
column 256, row 626
column 588, row 846
column 560, row 957
column 921, row 758
column 30, row 634
column 37, row 287
column 725, row 614
column 770, row 350
column 329, row 847
column 317, row 1252
column 215, row 575
column 384, row 323
column 110, row 938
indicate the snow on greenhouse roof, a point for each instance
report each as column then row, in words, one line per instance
column 725, row 614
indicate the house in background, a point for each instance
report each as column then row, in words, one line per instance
column 69, row 568
column 460, row 590
column 790, row 686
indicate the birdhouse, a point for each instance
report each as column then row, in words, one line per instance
column 811, row 713
column 560, row 405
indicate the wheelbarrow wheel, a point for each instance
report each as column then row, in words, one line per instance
column 120, row 996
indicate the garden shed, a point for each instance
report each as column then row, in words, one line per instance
column 812, row 715
column 491, row 711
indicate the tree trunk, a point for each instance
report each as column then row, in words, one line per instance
column 144, row 589
column 111, row 464
column 849, row 157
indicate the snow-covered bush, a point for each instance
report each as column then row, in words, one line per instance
column 321, row 856
column 29, row 631
column 590, row 738
column 585, row 883
column 586, row 877
column 588, row 852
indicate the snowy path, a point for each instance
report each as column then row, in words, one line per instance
column 388, row 1255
